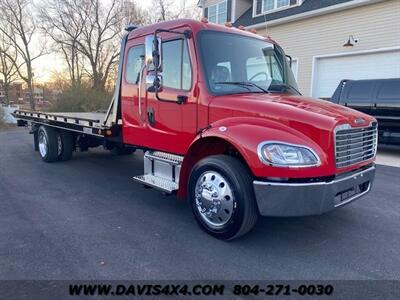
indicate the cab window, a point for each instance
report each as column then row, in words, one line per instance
column 176, row 69
column 134, row 63
column 264, row 66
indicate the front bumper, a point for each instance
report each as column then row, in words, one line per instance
column 315, row 198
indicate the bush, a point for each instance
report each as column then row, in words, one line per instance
column 81, row 99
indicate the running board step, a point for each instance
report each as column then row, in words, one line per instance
column 165, row 157
column 162, row 184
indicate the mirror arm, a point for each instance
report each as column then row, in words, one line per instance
column 188, row 35
column 140, row 90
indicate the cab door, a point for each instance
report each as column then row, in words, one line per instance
column 133, row 126
column 171, row 127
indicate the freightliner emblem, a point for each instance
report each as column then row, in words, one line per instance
column 359, row 121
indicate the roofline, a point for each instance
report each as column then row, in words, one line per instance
column 195, row 25
column 313, row 13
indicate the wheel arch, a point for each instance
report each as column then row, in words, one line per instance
column 200, row 149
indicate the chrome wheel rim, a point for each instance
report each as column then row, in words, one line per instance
column 43, row 148
column 214, row 199
column 59, row 145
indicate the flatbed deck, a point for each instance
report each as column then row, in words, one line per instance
column 88, row 123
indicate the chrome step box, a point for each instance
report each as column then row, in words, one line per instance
column 162, row 184
column 161, row 170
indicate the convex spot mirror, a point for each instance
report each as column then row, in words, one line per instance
column 153, row 82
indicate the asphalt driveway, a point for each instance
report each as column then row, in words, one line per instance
column 86, row 219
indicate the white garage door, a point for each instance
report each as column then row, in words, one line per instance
column 329, row 71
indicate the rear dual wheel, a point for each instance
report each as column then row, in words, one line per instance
column 54, row 146
column 65, row 142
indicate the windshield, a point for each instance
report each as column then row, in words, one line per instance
column 238, row 64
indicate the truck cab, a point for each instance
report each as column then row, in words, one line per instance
column 222, row 124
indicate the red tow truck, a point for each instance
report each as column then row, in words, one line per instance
column 218, row 115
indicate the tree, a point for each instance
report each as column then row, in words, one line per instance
column 19, row 27
column 61, row 21
column 164, row 10
column 8, row 68
column 133, row 14
column 88, row 29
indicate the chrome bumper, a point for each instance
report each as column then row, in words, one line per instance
column 302, row 199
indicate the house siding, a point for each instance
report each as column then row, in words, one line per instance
column 241, row 6
column 252, row 16
column 375, row 25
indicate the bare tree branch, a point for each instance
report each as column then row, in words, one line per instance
column 17, row 16
column 86, row 32
column 8, row 66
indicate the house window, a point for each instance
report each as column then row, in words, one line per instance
column 218, row 13
column 266, row 6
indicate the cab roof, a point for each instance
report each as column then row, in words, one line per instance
column 195, row 26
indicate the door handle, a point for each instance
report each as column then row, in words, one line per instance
column 150, row 116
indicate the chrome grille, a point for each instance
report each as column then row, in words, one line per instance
column 355, row 145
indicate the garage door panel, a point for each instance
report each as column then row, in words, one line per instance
column 331, row 70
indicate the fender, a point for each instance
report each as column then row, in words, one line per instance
column 244, row 134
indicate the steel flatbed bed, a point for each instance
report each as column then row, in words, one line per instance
column 87, row 123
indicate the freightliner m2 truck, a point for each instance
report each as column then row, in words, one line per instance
column 218, row 115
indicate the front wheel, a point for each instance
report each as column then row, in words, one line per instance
column 222, row 198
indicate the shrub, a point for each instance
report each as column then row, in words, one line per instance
column 81, row 99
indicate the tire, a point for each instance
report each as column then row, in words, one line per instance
column 65, row 145
column 47, row 142
column 222, row 198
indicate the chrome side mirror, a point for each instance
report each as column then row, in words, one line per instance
column 153, row 58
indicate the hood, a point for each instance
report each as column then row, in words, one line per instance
column 293, row 111
column 314, row 118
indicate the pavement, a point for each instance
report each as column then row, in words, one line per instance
column 86, row 219
column 389, row 155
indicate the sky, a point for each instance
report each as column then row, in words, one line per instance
column 47, row 65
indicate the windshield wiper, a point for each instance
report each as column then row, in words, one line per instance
column 244, row 84
column 284, row 87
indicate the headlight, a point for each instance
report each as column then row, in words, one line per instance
column 287, row 155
